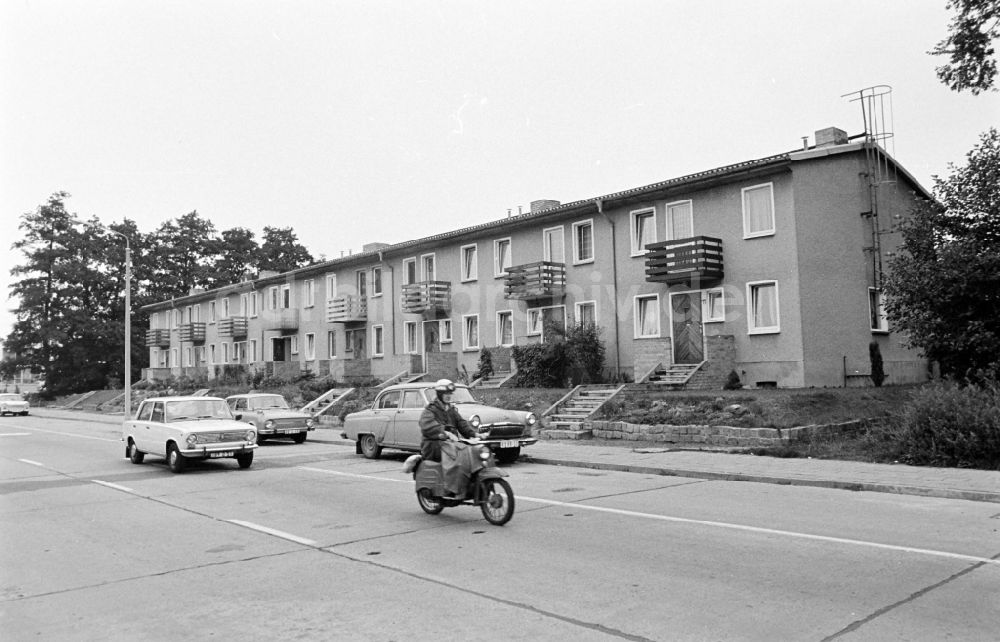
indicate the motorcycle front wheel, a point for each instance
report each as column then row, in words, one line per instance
column 498, row 501
column 427, row 502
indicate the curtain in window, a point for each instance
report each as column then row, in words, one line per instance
column 469, row 263
column 647, row 317
column 765, row 306
column 503, row 255
column 679, row 222
column 471, row 332
column 554, row 246
column 587, row 314
column 715, row 310
column 758, row 211
column 584, row 243
column 506, row 329
column 428, row 268
column 645, row 231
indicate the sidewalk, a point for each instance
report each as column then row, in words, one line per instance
column 950, row 483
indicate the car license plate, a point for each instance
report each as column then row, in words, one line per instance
column 224, row 453
column 509, row 443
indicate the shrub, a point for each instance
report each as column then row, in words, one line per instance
column 878, row 372
column 732, row 381
column 485, row 367
column 540, row 365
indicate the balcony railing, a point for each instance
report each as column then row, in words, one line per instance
column 158, row 338
column 280, row 319
column 193, row 332
column 540, row 280
column 233, row 327
column 426, row 296
column 694, row 260
column 346, row 309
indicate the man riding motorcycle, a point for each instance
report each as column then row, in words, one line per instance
column 440, row 426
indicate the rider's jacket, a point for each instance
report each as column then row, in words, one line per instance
column 437, row 418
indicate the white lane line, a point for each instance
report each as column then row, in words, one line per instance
column 33, row 463
column 69, row 434
column 276, row 533
column 727, row 525
column 14, row 434
column 355, row 475
column 115, row 486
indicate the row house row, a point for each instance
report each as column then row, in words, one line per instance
column 769, row 268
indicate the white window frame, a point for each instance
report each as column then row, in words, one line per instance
column 294, row 347
column 444, row 331
column 188, row 314
column 706, row 306
column 577, row 226
column 752, row 288
column 378, row 340
column 331, row 286
column 559, row 233
column 747, row 234
column 188, row 356
column 533, row 316
column 634, row 217
column 309, row 288
column 500, row 270
column 286, row 296
column 225, row 352
column 877, row 297
column 252, row 347
column 211, row 311
column 310, row 346
column 668, row 232
column 425, row 274
column 272, row 298
column 331, row 344
column 376, row 284
column 253, row 304
column 406, row 270
column 509, row 314
column 469, row 272
column 637, row 318
column 579, row 305
column 211, row 353
column 410, row 337
column 174, row 358
column 466, row 345
column 361, row 282
column 239, row 351
column 225, row 307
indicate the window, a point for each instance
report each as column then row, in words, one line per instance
column 713, row 309
column 225, row 353
column 680, row 220
column 470, row 262
column 376, row 281
column 273, row 298
column 413, row 399
column 762, row 302
column 211, row 311
column 164, row 356
column 244, row 304
column 199, row 354
column 331, row 286
column 534, row 321
column 253, row 304
column 647, row 316
column 583, row 241
column 294, row 343
column 252, row 351
column 331, row 344
column 349, row 340
column 470, row 332
column 225, row 308
column 377, row 348
column 586, row 313
column 389, row 399
column 286, row 296
column 445, row 329
column 505, row 328
column 409, row 271
column 188, row 315
column 427, row 267
column 310, row 346
column 211, row 353
column 309, row 293
column 643, row 230
column 239, row 351
column 876, row 311
column 362, row 281
column 188, row 357
column 758, row 211
column 553, row 248
column 501, row 257
column 410, row 337
column 177, row 318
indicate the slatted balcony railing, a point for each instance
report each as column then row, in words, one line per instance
column 694, row 260
column 193, row 332
column 426, row 296
column 543, row 279
column 280, row 319
column 346, row 309
column 158, row 338
column 233, row 327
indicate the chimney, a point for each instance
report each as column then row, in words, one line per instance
column 830, row 136
column 543, row 204
column 373, row 247
column 264, row 274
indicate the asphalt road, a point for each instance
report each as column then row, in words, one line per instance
column 316, row 543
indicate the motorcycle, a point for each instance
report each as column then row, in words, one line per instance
column 486, row 487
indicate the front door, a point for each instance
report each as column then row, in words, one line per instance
column 278, row 348
column 432, row 340
column 359, row 344
column 688, row 337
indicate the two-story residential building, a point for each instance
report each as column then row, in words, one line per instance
column 771, row 268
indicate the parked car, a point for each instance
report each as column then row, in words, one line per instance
column 271, row 417
column 184, row 428
column 12, row 403
column 391, row 422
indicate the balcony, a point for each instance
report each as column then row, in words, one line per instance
column 233, row 327
column 346, row 309
column 541, row 280
column 158, row 338
column 694, row 261
column 280, row 319
column 193, row 332
column 426, row 297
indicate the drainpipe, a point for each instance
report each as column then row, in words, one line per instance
column 392, row 301
column 614, row 281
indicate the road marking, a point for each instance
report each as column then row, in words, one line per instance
column 69, row 434
column 14, row 434
column 703, row 522
column 271, row 531
column 33, row 463
column 115, row 486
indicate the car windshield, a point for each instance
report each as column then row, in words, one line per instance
column 195, row 409
column 10, row 397
column 461, row 395
column 270, row 401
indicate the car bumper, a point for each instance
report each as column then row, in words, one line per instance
column 218, row 450
column 509, row 443
column 291, row 430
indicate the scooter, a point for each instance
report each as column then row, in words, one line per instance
column 486, row 487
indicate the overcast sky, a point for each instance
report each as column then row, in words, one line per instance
column 355, row 122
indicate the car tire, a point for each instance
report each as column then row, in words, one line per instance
column 135, row 455
column 24, row 414
column 175, row 459
column 245, row 459
column 299, row 437
column 508, row 455
column 369, row 446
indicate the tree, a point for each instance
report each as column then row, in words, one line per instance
column 238, row 255
column 281, row 251
column 943, row 287
column 969, row 46
column 182, row 255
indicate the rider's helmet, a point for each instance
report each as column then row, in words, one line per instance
column 444, row 387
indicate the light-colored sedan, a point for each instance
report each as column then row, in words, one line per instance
column 392, row 422
column 12, row 403
column 184, row 428
column 270, row 415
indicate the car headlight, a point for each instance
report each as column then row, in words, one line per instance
column 269, row 424
column 531, row 419
column 309, row 423
column 251, row 435
column 475, row 421
column 192, row 440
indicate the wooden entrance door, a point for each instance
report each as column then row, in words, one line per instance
column 688, row 336
column 432, row 340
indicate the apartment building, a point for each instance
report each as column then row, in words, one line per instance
column 770, row 268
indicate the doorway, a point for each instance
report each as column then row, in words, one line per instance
column 688, row 334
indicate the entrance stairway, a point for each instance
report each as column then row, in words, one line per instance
column 674, row 375
column 327, row 400
column 495, row 380
column 580, row 404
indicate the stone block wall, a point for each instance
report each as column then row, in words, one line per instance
column 696, row 436
column 441, row 365
column 649, row 352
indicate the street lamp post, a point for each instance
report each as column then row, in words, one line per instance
column 128, row 328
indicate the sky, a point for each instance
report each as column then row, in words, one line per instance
column 361, row 121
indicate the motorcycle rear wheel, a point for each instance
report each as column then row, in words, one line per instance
column 427, row 502
column 498, row 501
